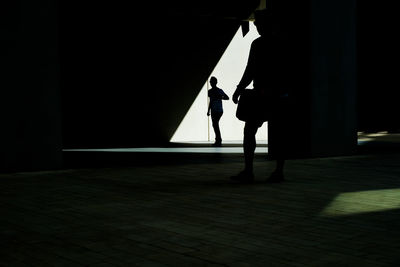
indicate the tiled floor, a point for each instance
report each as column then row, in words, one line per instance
column 342, row 211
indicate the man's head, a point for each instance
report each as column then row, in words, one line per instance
column 265, row 21
column 213, row 81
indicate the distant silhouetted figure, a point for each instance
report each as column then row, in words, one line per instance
column 267, row 67
column 216, row 96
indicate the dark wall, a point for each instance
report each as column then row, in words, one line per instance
column 30, row 135
column 378, row 66
column 130, row 75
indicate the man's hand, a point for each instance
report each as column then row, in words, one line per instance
column 235, row 98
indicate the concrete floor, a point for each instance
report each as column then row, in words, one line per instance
column 340, row 211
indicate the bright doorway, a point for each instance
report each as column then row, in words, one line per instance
column 196, row 126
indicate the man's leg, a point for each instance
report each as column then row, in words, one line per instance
column 278, row 144
column 215, row 123
column 249, row 144
column 277, row 175
column 280, row 162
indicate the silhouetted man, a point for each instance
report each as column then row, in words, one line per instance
column 267, row 67
column 216, row 96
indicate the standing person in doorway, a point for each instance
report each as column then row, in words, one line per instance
column 216, row 96
column 268, row 66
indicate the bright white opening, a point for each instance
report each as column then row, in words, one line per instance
column 196, row 126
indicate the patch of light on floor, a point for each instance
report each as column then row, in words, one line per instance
column 367, row 137
column 196, row 126
column 353, row 203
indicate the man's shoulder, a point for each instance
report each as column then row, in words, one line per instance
column 219, row 91
column 213, row 92
column 258, row 41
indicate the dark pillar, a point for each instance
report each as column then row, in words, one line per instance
column 30, row 137
column 323, row 34
column 333, row 77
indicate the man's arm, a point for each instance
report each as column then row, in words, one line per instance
column 224, row 96
column 247, row 77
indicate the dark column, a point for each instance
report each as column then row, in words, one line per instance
column 30, row 137
column 333, row 77
column 323, row 36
